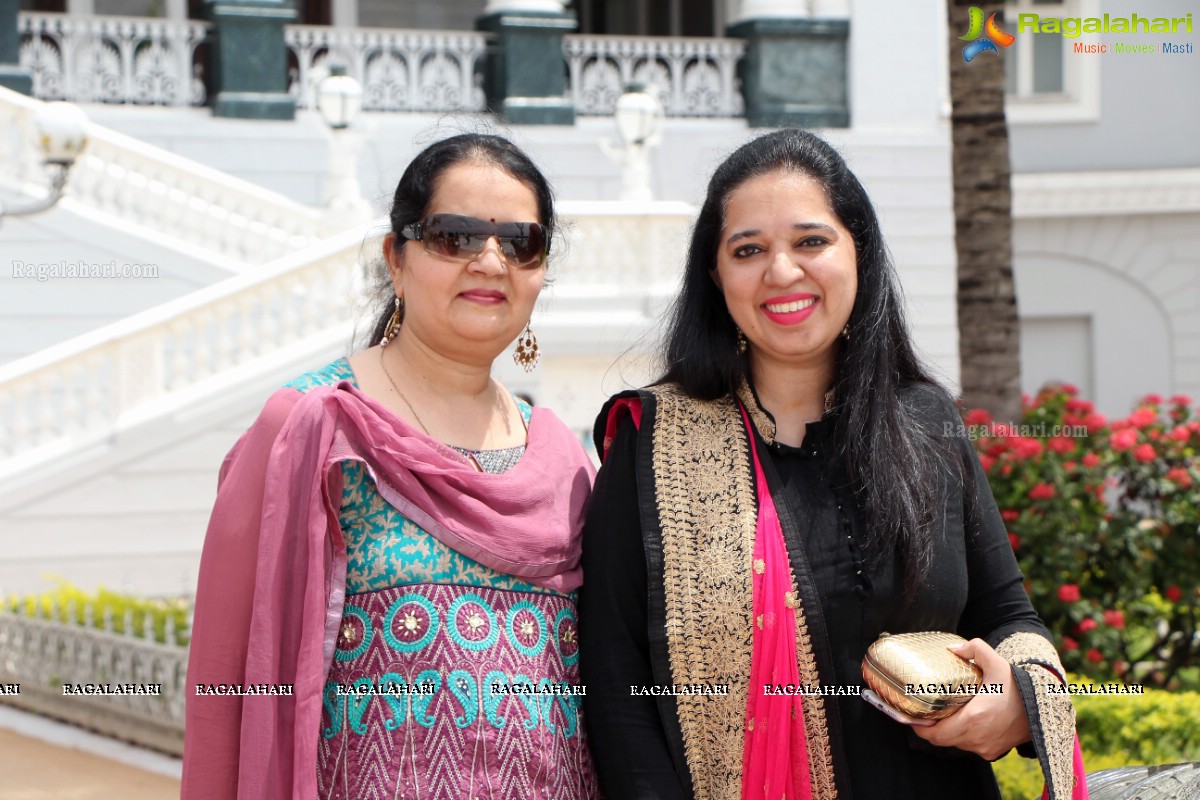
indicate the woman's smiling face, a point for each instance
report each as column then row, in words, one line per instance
column 788, row 269
column 476, row 305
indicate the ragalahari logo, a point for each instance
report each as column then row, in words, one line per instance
column 992, row 32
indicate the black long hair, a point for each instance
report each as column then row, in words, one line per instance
column 892, row 462
column 415, row 191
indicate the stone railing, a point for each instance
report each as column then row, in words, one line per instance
column 81, row 394
column 78, row 394
column 400, row 70
column 693, row 77
column 88, row 59
column 166, row 195
column 136, row 60
column 629, row 248
column 44, row 655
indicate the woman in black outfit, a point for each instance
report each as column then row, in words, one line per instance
column 792, row 393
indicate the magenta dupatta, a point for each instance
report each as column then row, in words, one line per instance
column 775, row 756
column 272, row 576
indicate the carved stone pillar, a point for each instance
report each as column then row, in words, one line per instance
column 525, row 78
column 11, row 74
column 247, row 59
column 794, row 71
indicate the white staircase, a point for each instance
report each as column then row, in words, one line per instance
column 111, row 440
column 136, row 187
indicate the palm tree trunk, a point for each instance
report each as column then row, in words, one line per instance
column 988, row 332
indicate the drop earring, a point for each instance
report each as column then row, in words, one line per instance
column 393, row 326
column 527, row 354
column 741, row 342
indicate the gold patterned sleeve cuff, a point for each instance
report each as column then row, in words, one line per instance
column 1038, row 671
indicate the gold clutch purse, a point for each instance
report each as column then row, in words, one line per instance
column 914, row 673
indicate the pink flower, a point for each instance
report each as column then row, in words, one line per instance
column 1042, row 491
column 987, row 462
column 1006, row 470
column 1180, row 476
column 1091, row 460
column 1078, row 406
column 1086, row 626
column 1069, row 466
column 1180, row 434
column 1094, row 421
column 1068, row 592
column 1014, row 540
column 1070, row 644
column 1173, row 593
column 1181, row 400
column 1069, row 388
column 1143, row 417
column 1008, row 515
column 1094, row 656
column 1114, row 619
column 978, row 416
column 1024, row 447
column 1145, row 453
column 1152, row 399
column 1061, row 444
column 1124, row 439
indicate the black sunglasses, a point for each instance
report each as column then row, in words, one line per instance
column 459, row 238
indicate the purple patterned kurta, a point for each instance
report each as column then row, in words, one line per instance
column 428, row 632
column 453, row 735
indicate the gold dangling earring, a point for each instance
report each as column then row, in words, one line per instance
column 846, row 332
column 741, row 342
column 527, row 354
column 393, row 326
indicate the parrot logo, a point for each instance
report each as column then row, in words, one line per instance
column 992, row 32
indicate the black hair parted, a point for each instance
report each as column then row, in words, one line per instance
column 417, row 185
column 894, row 465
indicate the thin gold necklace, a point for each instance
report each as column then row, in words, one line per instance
column 474, row 462
column 407, row 402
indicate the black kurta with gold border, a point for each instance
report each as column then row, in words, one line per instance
column 667, row 602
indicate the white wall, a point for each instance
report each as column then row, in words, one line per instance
column 1149, row 105
column 1136, row 279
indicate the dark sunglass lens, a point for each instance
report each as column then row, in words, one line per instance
column 444, row 243
column 528, row 245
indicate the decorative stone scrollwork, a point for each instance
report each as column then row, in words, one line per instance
column 44, row 656
column 399, row 70
column 113, row 59
column 692, row 77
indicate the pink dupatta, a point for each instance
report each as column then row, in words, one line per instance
column 775, row 755
column 272, row 576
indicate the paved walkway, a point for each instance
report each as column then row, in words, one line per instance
column 45, row 760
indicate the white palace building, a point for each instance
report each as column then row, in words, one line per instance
column 240, row 229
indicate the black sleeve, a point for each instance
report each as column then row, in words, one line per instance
column 626, row 734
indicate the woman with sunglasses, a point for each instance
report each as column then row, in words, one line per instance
column 397, row 538
column 789, row 490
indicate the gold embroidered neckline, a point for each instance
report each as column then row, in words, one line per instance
column 764, row 423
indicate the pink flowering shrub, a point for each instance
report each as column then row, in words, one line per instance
column 1104, row 518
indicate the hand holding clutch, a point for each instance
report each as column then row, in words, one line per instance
column 994, row 721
